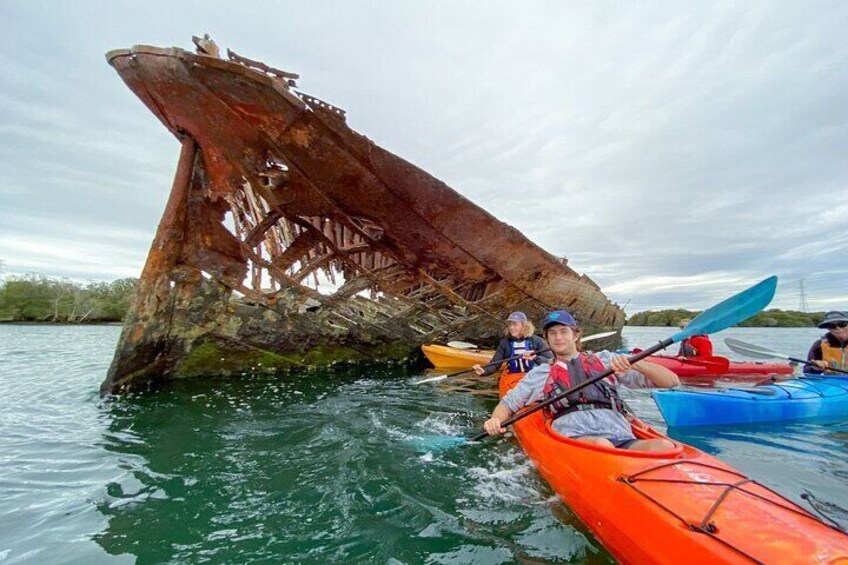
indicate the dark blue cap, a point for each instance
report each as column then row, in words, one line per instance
column 561, row 317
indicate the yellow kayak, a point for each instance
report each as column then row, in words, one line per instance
column 445, row 356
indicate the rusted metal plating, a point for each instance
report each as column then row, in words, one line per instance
column 286, row 230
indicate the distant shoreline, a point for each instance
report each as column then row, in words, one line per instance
column 774, row 318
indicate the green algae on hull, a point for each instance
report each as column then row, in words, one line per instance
column 211, row 358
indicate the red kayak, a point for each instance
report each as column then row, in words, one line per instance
column 712, row 368
column 674, row 507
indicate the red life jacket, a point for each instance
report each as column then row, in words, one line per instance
column 696, row 346
column 564, row 375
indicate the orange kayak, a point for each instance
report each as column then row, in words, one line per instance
column 677, row 506
column 444, row 356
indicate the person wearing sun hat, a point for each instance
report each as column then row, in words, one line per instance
column 520, row 343
column 831, row 350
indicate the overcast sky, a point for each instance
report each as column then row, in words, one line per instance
column 675, row 152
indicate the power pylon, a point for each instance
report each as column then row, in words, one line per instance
column 804, row 307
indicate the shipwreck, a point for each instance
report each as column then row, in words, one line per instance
column 290, row 240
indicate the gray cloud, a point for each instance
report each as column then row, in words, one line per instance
column 674, row 153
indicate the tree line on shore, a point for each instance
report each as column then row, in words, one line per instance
column 37, row 298
column 774, row 318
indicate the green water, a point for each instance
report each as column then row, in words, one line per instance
column 317, row 468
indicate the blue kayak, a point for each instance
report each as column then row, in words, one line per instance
column 795, row 399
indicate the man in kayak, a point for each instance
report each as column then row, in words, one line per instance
column 520, row 343
column 696, row 345
column 595, row 414
column 831, row 351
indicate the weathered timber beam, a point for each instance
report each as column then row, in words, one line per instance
column 311, row 265
column 296, row 250
column 256, row 234
column 375, row 243
column 282, row 277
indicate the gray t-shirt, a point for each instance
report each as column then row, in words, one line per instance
column 597, row 423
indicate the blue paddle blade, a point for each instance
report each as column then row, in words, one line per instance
column 730, row 312
column 436, row 443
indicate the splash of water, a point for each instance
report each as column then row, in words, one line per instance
column 429, row 444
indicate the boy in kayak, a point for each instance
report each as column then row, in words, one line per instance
column 831, row 351
column 696, row 345
column 594, row 414
column 519, row 341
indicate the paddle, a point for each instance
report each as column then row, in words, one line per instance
column 727, row 313
column 760, row 352
column 461, row 345
column 443, row 377
column 601, row 335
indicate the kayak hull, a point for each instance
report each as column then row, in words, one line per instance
column 454, row 358
column 692, row 367
column 797, row 399
column 675, row 506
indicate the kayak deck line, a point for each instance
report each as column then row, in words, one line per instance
column 767, row 391
column 706, row 525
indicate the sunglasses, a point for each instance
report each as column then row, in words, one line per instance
column 837, row 326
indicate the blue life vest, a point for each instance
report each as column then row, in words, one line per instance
column 518, row 347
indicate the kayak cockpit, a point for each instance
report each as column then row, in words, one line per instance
column 640, row 429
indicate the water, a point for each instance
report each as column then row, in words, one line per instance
column 321, row 468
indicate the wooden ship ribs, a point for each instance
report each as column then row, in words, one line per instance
column 290, row 240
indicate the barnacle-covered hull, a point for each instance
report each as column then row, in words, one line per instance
column 290, row 240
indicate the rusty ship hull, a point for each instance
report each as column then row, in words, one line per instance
column 275, row 201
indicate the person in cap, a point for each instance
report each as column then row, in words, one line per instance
column 831, row 350
column 696, row 345
column 523, row 349
column 595, row 414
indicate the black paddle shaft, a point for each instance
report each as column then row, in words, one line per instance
column 496, row 362
column 811, row 364
column 634, row 359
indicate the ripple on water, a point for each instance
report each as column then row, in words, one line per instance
column 284, row 469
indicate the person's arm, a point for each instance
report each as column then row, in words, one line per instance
column 815, row 356
column 493, row 424
column 501, row 353
column 660, row 376
column 642, row 373
column 529, row 389
column 498, row 356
